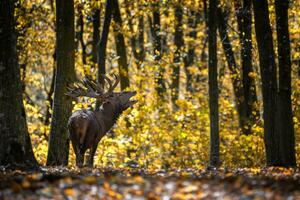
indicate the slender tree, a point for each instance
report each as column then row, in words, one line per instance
column 103, row 43
column 96, row 34
column 103, row 40
column 269, row 81
column 244, row 19
column 286, row 128
column 140, row 39
column 58, row 150
column 213, row 83
column 155, row 30
column 193, row 20
column 79, row 34
column 233, row 68
column 178, row 40
column 15, row 144
column 120, row 45
column 136, row 41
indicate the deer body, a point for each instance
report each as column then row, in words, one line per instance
column 88, row 127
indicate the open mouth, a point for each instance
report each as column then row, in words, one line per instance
column 131, row 103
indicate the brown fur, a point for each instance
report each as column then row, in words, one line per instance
column 88, row 127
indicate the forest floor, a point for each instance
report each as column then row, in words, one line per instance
column 63, row 183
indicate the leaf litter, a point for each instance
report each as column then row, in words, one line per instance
column 106, row 184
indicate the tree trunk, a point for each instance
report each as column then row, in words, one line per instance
column 244, row 18
column 120, row 46
column 15, row 144
column 79, row 35
column 269, row 81
column 178, row 40
column 155, row 30
column 140, row 39
column 58, row 150
column 96, row 34
column 129, row 6
column 193, row 21
column 103, row 43
column 136, row 42
column 286, row 127
column 233, row 68
column 49, row 97
column 213, row 84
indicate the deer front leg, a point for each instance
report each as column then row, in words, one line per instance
column 90, row 160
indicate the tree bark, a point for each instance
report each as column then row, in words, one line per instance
column 58, row 150
column 233, row 68
column 132, row 38
column 286, row 126
column 193, row 21
column 213, row 84
column 140, row 39
column 244, row 18
column 103, row 43
column 269, row 81
column 120, row 45
column 136, row 42
column 155, row 30
column 15, row 144
column 79, row 35
column 49, row 97
column 178, row 40
column 96, row 34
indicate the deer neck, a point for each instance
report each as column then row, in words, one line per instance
column 110, row 115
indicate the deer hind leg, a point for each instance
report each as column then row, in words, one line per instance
column 79, row 156
column 90, row 160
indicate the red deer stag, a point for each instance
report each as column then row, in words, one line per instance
column 87, row 127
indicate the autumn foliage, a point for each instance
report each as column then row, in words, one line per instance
column 152, row 135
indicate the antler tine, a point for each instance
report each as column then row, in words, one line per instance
column 87, row 88
column 93, row 85
column 88, row 84
column 108, row 81
column 117, row 80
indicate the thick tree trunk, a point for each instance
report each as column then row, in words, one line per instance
column 244, row 18
column 233, row 68
column 15, row 144
column 269, row 81
column 213, row 84
column 155, row 30
column 286, row 128
column 58, row 150
column 120, row 46
column 178, row 40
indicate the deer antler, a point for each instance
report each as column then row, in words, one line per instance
column 112, row 85
column 87, row 88
column 117, row 80
column 90, row 88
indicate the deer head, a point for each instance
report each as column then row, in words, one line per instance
column 87, row 127
column 90, row 88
